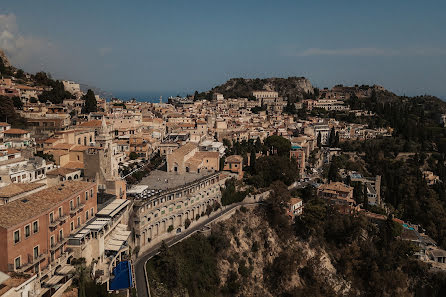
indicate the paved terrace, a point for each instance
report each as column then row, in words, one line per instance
column 162, row 180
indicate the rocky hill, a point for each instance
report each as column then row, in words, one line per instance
column 255, row 254
column 4, row 59
column 291, row 87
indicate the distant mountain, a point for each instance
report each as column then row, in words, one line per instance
column 292, row 87
column 97, row 91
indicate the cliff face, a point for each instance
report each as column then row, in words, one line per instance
column 266, row 265
column 291, row 87
column 4, row 59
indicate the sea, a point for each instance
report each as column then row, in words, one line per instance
column 148, row 96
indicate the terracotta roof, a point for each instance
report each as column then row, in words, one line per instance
column 12, row 151
column 62, row 171
column 74, row 165
column 3, row 124
column 91, row 124
column 336, row 186
column 51, row 140
column 194, row 163
column 15, row 131
column 62, row 146
column 12, row 190
column 202, row 155
column 234, row 159
column 294, row 201
column 185, row 149
column 32, row 206
column 186, row 125
column 79, row 148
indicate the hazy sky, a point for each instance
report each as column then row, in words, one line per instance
column 181, row 46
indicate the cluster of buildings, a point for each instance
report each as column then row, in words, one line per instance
column 63, row 193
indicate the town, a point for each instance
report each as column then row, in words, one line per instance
column 105, row 182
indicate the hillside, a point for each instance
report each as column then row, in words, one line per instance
column 325, row 254
column 291, row 87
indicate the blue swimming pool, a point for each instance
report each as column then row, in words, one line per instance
column 407, row 227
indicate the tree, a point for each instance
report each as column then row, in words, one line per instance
column 9, row 114
column 278, row 144
column 331, row 138
column 170, row 228
column 216, row 206
column 252, row 159
column 227, row 143
column 20, row 74
column 187, row 223
column 319, row 139
column 57, row 93
column 90, row 102
column 209, row 209
column 133, row 156
column 17, row 102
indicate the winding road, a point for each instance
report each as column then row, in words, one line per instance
column 140, row 275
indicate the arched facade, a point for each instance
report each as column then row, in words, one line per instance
column 174, row 207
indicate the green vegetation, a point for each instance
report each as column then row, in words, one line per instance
column 278, row 145
column 230, row 194
column 90, row 102
column 189, row 267
column 268, row 169
column 57, row 93
column 86, row 286
column 243, row 88
column 9, row 114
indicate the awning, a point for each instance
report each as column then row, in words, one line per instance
column 114, row 244
column 54, row 280
column 114, row 248
column 66, row 269
column 120, row 237
column 113, row 208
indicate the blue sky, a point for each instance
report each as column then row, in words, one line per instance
column 180, row 46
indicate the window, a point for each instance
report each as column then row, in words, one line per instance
column 92, row 212
column 16, row 236
column 78, row 200
column 17, row 262
column 71, row 205
column 51, row 217
column 91, row 193
column 60, row 234
column 36, row 252
column 78, row 221
column 72, row 226
column 86, row 195
column 27, row 231
column 35, row 226
column 86, row 216
column 60, row 212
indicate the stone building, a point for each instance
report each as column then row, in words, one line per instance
column 188, row 158
column 153, row 216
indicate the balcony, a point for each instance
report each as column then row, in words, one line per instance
column 31, row 262
column 54, row 224
column 59, row 220
column 54, row 246
column 74, row 210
